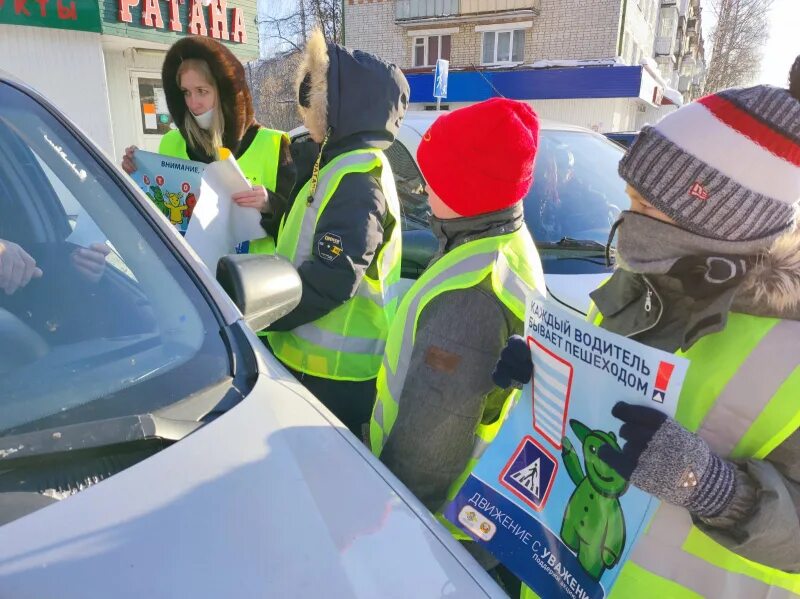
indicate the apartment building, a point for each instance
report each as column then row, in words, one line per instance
column 679, row 50
column 574, row 60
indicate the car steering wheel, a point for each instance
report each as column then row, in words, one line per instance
column 19, row 343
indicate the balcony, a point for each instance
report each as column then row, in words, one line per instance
column 416, row 10
column 664, row 45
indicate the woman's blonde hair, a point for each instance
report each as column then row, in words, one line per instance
column 210, row 140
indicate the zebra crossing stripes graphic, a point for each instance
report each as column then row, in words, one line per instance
column 551, row 387
column 529, row 477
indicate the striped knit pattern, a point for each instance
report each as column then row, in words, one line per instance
column 726, row 167
column 714, row 490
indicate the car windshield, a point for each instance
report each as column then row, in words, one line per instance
column 576, row 195
column 113, row 325
column 576, row 192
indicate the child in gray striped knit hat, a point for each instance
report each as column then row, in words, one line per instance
column 708, row 265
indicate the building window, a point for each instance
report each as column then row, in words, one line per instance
column 500, row 47
column 428, row 49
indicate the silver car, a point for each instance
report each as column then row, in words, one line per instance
column 149, row 445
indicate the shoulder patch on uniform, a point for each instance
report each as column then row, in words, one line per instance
column 329, row 247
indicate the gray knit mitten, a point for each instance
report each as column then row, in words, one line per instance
column 665, row 460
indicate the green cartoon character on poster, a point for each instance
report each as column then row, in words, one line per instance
column 593, row 525
column 157, row 196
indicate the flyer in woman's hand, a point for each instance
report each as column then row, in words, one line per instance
column 196, row 198
column 540, row 498
column 172, row 184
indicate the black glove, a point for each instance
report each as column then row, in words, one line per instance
column 515, row 367
column 663, row 459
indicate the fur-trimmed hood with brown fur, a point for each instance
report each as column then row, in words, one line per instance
column 353, row 96
column 234, row 95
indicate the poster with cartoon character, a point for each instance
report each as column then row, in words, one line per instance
column 540, row 498
column 171, row 183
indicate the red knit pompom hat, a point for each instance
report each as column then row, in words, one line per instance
column 479, row 159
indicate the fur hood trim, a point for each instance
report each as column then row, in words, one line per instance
column 234, row 95
column 773, row 285
column 315, row 64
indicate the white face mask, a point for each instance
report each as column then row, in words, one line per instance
column 205, row 120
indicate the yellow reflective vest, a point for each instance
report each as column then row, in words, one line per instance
column 259, row 163
column 511, row 264
column 346, row 344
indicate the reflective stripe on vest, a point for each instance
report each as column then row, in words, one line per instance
column 348, row 343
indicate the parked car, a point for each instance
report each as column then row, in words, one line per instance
column 149, row 445
column 623, row 138
column 575, row 198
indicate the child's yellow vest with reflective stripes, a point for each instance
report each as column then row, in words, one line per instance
column 511, row 263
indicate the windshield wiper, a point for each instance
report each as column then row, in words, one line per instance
column 570, row 243
column 92, row 435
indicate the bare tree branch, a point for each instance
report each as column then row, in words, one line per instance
column 737, row 40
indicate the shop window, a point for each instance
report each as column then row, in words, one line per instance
column 428, row 49
column 503, row 47
column 154, row 114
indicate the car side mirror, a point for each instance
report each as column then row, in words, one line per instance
column 264, row 287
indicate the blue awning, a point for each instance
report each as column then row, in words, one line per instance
column 532, row 84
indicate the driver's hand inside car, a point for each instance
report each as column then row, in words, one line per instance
column 17, row 268
column 91, row 261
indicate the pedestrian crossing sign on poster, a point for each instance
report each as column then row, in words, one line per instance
column 541, row 499
column 551, row 388
column 530, row 472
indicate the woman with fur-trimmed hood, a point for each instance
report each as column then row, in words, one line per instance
column 210, row 103
column 352, row 104
column 709, row 267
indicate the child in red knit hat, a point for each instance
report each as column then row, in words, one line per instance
column 436, row 404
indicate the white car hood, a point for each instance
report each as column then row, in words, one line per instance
column 572, row 291
column 269, row 500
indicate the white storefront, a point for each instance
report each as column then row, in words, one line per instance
column 101, row 65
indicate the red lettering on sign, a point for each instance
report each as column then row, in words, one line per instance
column 19, row 7
column 197, row 21
column 238, row 30
column 174, row 16
column 67, row 13
column 217, row 19
column 146, row 180
column 160, row 180
column 151, row 14
column 185, row 187
column 124, row 13
column 42, row 7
